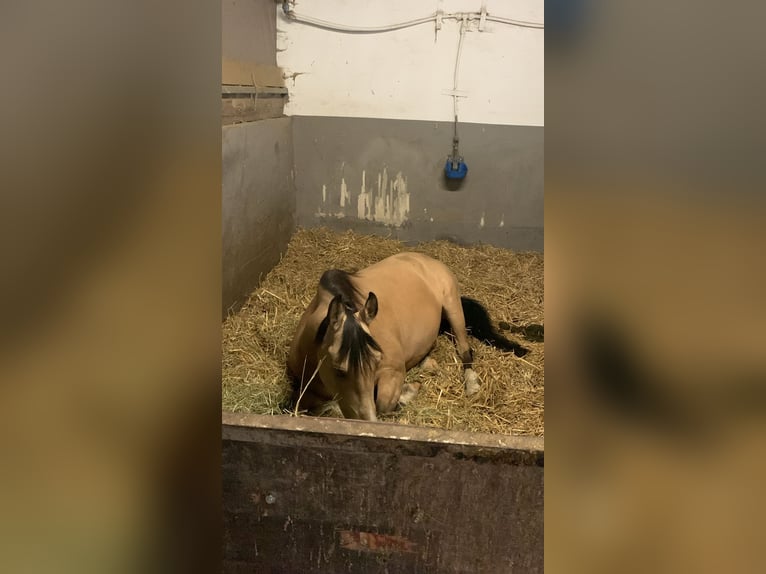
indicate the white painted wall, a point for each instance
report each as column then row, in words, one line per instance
column 403, row 74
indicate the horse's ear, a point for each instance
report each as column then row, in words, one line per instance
column 370, row 308
column 335, row 311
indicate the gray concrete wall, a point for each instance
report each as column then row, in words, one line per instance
column 258, row 196
column 500, row 202
column 258, row 203
column 249, row 30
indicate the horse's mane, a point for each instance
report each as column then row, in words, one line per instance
column 356, row 343
column 338, row 282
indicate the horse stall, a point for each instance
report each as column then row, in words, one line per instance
column 342, row 145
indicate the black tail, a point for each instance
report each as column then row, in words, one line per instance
column 479, row 325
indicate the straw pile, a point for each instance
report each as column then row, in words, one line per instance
column 257, row 338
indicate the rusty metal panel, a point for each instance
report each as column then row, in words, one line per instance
column 322, row 495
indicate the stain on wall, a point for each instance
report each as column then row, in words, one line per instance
column 387, row 203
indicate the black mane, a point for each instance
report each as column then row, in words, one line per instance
column 338, row 282
column 356, row 343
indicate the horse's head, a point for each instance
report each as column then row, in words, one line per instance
column 350, row 356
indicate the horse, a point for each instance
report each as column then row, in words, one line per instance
column 363, row 331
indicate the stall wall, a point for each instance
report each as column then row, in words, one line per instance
column 404, row 74
column 385, row 177
column 258, row 192
column 315, row 495
column 372, row 121
column 258, row 203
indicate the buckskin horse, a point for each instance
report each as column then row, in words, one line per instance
column 363, row 331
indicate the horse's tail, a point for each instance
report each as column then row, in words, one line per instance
column 479, row 325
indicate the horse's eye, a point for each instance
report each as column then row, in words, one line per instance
column 340, row 373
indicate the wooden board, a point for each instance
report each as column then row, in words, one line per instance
column 238, row 110
column 262, row 80
column 321, row 495
column 239, row 73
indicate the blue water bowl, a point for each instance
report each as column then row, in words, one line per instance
column 459, row 173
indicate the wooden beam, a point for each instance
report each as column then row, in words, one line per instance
column 239, row 73
column 232, row 422
column 250, row 109
column 312, row 495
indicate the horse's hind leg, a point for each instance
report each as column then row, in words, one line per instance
column 453, row 309
column 428, row 364
column 410, row 390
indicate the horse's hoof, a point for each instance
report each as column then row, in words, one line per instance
column 409, row 391
column 428, row 364
column 472, row 382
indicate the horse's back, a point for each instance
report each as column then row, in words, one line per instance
column 409, row 258
column 411, row 290
column 411, row 270
column 408, row 281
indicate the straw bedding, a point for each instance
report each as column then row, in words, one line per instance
column 510, row 285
